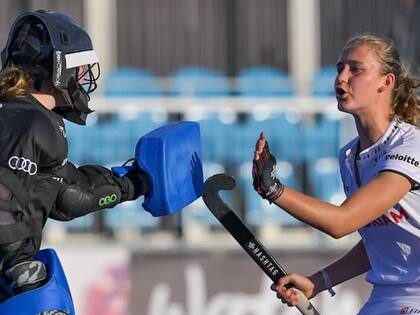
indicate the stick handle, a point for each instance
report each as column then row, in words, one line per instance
column 274, row 271
column 262, row 256
column 304, row 305
column 245, row 237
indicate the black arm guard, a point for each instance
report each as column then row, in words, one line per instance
column 91, row 188
column 73, row 201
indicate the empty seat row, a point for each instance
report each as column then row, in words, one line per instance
column 293, row 136
column 197, row 81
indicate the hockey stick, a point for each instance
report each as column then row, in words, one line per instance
column 245, row 237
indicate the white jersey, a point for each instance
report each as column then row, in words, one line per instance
column 392, row 241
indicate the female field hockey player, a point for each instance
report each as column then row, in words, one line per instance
column 380, row 171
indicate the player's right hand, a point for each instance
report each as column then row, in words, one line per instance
column 285, row 288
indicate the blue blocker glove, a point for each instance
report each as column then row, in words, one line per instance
column 264, row 176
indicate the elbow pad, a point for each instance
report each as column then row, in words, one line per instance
column 74, row 201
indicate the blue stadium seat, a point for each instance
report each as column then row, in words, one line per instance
column 242, row 143
column 81, row 148
column 324, row 177
column 81, row 224
column 130, row 215
column 265, row 81
column 285, row 131
column 197, row 212
column 323, row 82
column 321, row 137
column 216, row 132
column 131, row 82
column 258, row 211
column 112, row 141
column 198, row 81
column 134, row 125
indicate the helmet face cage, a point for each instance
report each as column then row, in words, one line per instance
column 87, row 75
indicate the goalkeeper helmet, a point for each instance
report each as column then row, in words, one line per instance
column 52, row 46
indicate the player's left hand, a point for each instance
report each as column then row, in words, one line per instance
column 139, row 179
column 264, row 171
column 286, row 291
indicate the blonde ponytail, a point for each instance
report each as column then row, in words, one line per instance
column 14, row 82
column 406, row 103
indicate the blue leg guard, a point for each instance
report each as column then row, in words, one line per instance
column 53, row 296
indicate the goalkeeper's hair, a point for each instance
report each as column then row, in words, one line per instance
column 15, row 82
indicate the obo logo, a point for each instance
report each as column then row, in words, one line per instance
column 23, row 164
column 104, row 201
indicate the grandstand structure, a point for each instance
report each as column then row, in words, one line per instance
column 238, row 67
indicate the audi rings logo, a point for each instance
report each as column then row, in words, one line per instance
column 23, row 164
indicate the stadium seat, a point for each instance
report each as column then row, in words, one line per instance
column 216, row 132
column 324, row 176
column 264, row 81
column 286, row 134
column 131, row 82
column 282, row 128
column 197, row 212
column 242, row 143
column 79, row 140
column 323, row 82
column 321, row 137
column 130, row 215
column 195, row 81
column 81, row 224
column 136, row 124
column 258, row 211
column 112, row 141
